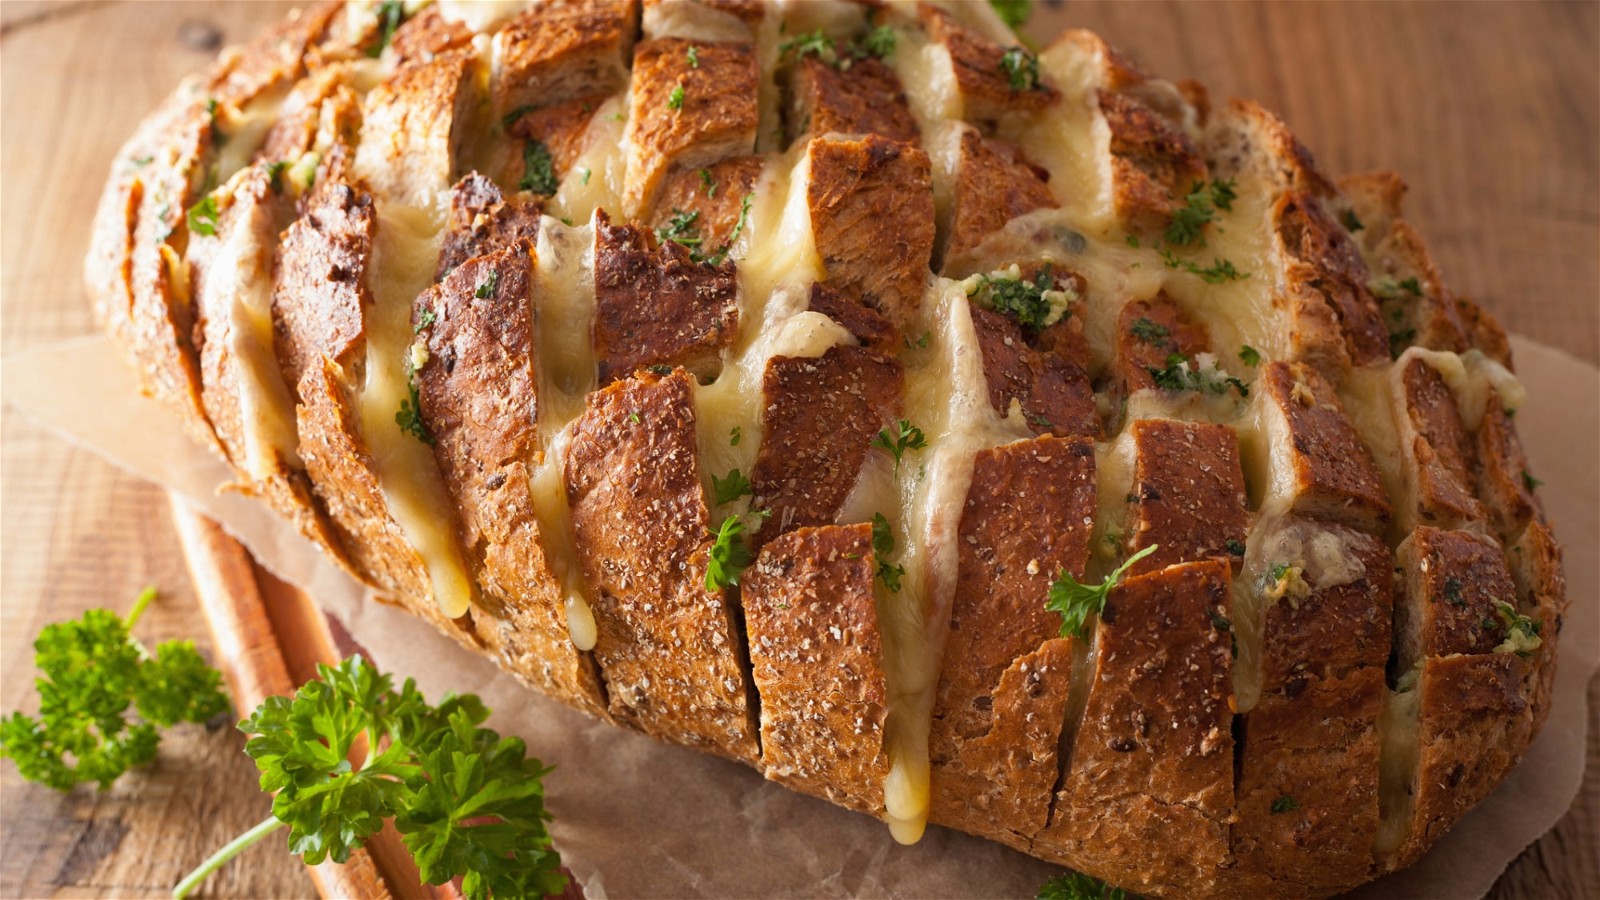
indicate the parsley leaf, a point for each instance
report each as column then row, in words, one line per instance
column 731, row 488
column 1014, row 13
column 391, row 14
column 488, row 287
column 1250, row 356
column 275, row 175
column 1350, row 221
column 409, row 418
column 734, row 437
column 1522, row 632
column 538, row 169
column 675, row 99
column 1200, row 207
column 707, row 183
column 1149, row 331
column 1076, row 601
column 202, row 216
column 906, row 436
column 681, row 228
column 1284, row 803
column 812, row 43
column 1219, row 271
column 94, row 670
column 879, row 42
column 467, row 802
column 1180, row 374
column 717, row 258
column 1531, row 482
column 729, row 555
column 1021, row 68
column 1077, row 886
column 1035, row 304
column 882, row 546
column 693, row 55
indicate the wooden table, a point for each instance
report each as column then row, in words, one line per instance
column 1490, row 110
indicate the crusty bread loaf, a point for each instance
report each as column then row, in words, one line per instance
column 751, row 374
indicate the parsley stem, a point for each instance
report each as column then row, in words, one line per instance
column 221, row 857
column 145, row 596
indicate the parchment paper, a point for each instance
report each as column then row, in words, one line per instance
column 637, row 818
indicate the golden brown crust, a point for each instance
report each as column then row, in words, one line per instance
column 1437, row 450
column 1336, row 629
column 1453, row 580
column 1188, row 495
column 1152, row 760
column 1322, row 265
column 478, row 398
column 816, row 659
column 483, row 220
column 865, row 98
column 1316, row 454
column 320, row 296
column 1504, row 483
column 1054, row 395
column 871, row 203
column 713, row 198
column 820, row 417
column 655, row 306
column 668, row 646
column 988, row 92
column 1149, row 334
column 1003, row 687
column 562, row 129
column 555, row 52
column 423, row 109
column 687, row 116
column 994, row 184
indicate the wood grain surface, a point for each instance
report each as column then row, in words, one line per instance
column 1490, row 110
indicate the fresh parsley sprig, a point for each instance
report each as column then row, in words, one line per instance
column 899, row 438
column 729, row 554
column 1021, row 68
column 350, row 752
column 1078, row 886
column 882, row 547
column 94, row 671
column 1076, row 601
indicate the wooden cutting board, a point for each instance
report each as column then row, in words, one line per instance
column 1490, row 110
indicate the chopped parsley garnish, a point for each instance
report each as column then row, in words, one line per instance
column 140, row 162
column 511, row 118
column 468, row 803
column 882, row 546
column 693, row 55
column 538, row 169
column 1400, row 340
column 1250, row 356
column 812, row 43
column 1234, row 547
column 1351, row 223
column 1452, row 592
column 489, row 285
column 218, row 137
column 95, row 674
column 409, row 418
column 1387, row 288
column 1132, row 240
column 587, row 173
column 425, row 318
column 275, row 175
column 1200, row 207
column 1219, row 271
column 1034, row 304
column 1531, row 482
column 1180, row 374
column 879, row 42
column 1013, row 12
column 734, row 437
column 202, row 216
column 731, row 488
column 1076, row 601
column 1284, row 803
column 681, row 228
column 1021, row 68
column 1149, row 331
column 729, row 555
column 719, row 257
column 1077, row 886
column 675, row 99
column 1411, row 286
column 707, row 183
column 391, row 14
column 1522, row 632
column 903, row 436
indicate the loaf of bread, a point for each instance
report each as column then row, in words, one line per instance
column 1005, row 440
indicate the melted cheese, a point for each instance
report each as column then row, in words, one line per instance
column 596, row 179
column 1399, row 734
column 481, row 15
column 1472, row 378
column 404, row 254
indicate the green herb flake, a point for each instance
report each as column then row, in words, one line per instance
column 734, row 437
column 731, row 488
column 425, row 318
column 1132, row 240
column 1529, row 481
column 693, row 56
column 882, row 547
column 707, row 183
column 489, row 285
column 409, row 418
column 1452, row 592
column 1035, row 304
column 1014, row 13
column 1283, row 804
column 202, row 217
column 1076, row 601
column 1250, row 356
column 1400, row 340
column 1351, row 223
column 538, row 169
column 813, row 43
column 511, row 118
column 878, row 43
column 1234, row 547
column 681, row 228
column 391, row 14
column 1149, row 331
column 1522, row 632
column 721, row 256
column 1021, row 68
column 275, row 172
column 675, row 99
column 94, row 674
column 903, row 436
column 729, row 555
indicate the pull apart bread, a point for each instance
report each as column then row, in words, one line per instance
column 753, row 374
